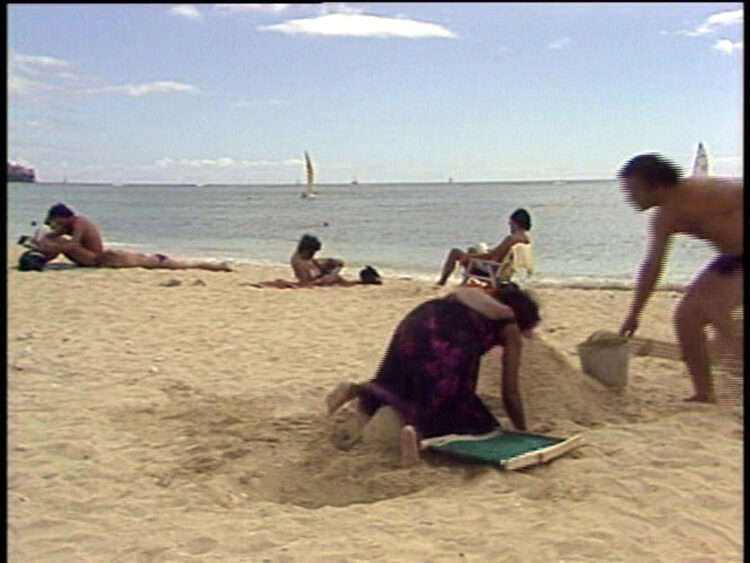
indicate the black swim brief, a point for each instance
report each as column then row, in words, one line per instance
column 727, row 263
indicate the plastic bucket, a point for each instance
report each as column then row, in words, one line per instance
column 604, row 356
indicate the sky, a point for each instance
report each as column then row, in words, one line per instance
column 378, row 92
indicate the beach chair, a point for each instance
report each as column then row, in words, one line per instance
column 518, row 265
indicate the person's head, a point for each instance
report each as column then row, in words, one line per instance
column 31, row 260
column 520, row 219
column 59, row 214
column 524, row 306
column 644, row 177
column 308, row 246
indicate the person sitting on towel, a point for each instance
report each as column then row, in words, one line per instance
column 429, row 373
column 519, row 224
column 315, row 271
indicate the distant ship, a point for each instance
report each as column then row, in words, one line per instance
column 310, row 174
column 700, row 166
column 354, row 181
column 20, row 173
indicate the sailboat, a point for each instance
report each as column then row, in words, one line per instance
column 700, row 166
column 310, row 173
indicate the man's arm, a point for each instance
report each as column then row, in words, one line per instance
column 650, row 270
column 498, row 253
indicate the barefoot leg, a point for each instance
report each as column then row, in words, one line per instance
column 342, row 394
column 710, row 299
column 455, row 256
column 409, row 446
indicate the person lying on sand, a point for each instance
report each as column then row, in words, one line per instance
column 430, row 369
column 519, row 224
column 79, row 239
column 706, row 208
column 311, row 271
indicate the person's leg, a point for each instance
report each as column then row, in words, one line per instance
column 409, row 446
column 455, row 256
column 710, row 299
column 341, row 394
column 73, row 251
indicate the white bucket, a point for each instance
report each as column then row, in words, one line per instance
column 604, row 356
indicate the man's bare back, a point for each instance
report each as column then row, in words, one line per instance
column 706, row 208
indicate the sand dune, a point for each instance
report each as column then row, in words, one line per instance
column 185, row 422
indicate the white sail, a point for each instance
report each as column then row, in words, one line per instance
column 700, row 166
column 310, row 174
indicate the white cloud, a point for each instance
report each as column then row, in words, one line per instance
column 267, row 8
column 186, row 11
column 19, row 85
column 559, row 44
column 360, row 25
column 33, row 61
column 728, row 46
column 160, row 87
column 732, row 17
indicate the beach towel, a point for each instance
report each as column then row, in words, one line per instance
column 509, row 450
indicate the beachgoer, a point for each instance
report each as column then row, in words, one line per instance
column 519, row 224
column 76, row 237
column 703, row 207
column 315, row 271
column 79, row 239
column 430, row 369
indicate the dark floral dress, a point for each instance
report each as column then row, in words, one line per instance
column 429, row 372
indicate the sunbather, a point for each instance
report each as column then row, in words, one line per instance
column 519, row 224
column 430, row 369
column 79, row 239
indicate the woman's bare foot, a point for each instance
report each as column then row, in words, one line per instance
column 342, row 394
column 409, row 446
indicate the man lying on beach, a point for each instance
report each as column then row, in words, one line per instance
column 79, row 239
column 519, row 224
column 706, row 208
column 429, row 373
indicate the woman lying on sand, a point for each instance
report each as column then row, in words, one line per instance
column 429, row 372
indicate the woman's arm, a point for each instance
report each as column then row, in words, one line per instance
column 510, row 366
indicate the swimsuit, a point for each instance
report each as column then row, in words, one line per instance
column 725, row 264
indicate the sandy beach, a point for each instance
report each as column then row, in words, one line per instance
column 151, row 420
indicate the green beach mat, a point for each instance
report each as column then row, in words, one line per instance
column 509, row 450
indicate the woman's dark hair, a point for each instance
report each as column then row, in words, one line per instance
column 523, row 305
column 653, row 169
column 522, row 217
column 58, row 210
column 308, row 244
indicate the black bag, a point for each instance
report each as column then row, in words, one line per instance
column 32, row 260
column 370, row 275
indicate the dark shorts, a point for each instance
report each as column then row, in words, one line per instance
column 726, row 264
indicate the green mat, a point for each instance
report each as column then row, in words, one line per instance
column 509, row 450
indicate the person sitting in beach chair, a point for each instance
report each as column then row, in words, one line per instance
column 517, row 265
column 429, row 373
column 519, row 224
column 79, row 239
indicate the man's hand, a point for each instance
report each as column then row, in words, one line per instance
column 630, row 325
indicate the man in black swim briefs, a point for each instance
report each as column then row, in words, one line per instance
column 709, row 209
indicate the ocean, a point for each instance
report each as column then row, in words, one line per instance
column 583, row 232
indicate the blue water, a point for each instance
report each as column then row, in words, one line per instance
column 582, row 231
